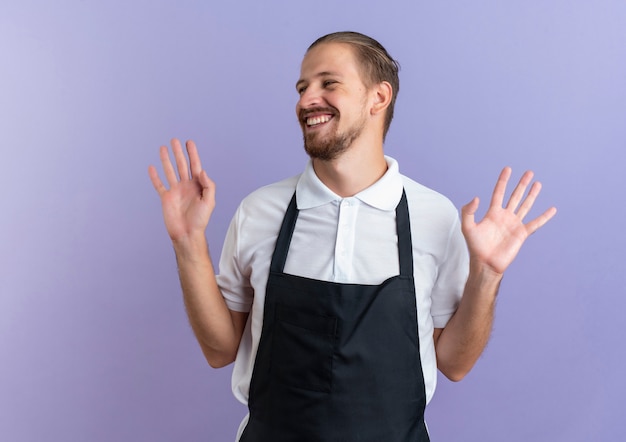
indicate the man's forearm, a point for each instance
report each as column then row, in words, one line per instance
column 208, row 313
column 465, row 336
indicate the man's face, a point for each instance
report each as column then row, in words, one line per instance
column 332, row 109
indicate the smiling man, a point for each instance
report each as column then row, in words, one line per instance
column 327, row 132
column 342, row 290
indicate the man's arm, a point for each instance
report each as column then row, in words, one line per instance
column 217, row 329
column 187, row 208
column 493, row 244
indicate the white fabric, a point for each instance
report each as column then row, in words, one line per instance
column 346, row 240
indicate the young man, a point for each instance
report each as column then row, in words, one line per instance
column 342, row 290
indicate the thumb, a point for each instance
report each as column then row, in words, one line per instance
column 467, row 213
column 208, row 188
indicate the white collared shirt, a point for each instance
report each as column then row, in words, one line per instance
column 345, row 240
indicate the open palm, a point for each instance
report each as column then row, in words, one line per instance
column 498, row 237
column 189, row 201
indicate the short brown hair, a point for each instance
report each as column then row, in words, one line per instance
column 377, row 64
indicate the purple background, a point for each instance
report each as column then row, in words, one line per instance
column 94, row 341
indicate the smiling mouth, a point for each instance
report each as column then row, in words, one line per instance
column 317, row 120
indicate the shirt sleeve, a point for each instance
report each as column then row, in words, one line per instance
column 451, row 277
column 233, row 283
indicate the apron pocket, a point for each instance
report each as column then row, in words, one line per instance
column 303, row 348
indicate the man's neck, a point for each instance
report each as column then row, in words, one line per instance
column 354, row 171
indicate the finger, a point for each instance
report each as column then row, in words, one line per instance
column 468, row 212
column 194, row 159
column 208, row 187
column 168, row 169
column 540, row 221
column 205, row 181
column 156, row 181
column 528, row 202
column 500, row 188
column 518, row 192
column 181, row 161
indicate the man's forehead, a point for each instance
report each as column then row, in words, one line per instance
column 328, row 52
column 328, row 59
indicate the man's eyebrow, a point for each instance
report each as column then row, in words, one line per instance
column 319, row 74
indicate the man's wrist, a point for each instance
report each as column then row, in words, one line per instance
column 192, row 247
column 483, row 278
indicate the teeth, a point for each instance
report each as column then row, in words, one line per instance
column 313, row 121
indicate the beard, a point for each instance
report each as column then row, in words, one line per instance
column 330, row 147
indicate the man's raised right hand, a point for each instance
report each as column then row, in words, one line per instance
column 189, row 202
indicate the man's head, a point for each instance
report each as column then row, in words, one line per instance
column 347, row 90
column 375, row 62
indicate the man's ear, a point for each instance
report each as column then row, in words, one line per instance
column 383, row 92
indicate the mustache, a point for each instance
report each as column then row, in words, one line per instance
column 304, row 113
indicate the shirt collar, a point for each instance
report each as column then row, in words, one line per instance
column 384, row 194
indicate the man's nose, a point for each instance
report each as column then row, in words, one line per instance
column 310, row 97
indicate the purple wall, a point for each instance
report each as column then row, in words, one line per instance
column 94, row 342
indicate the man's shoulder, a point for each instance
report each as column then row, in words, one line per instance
column 270, row 198
column 419, row 194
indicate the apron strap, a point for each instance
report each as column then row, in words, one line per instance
column 405, row 244
column 284, row 237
